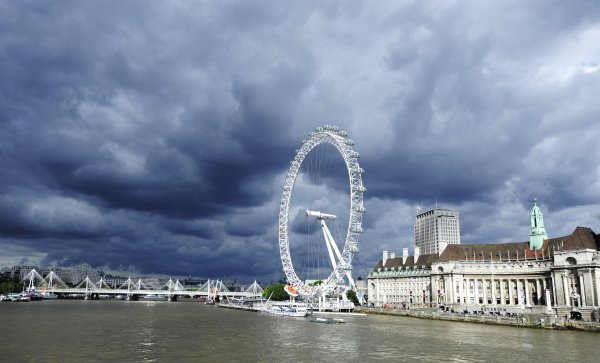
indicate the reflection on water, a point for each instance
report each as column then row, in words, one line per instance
column 146, row 340
column 70, row 330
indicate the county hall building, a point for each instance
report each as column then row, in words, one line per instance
column 544, row 275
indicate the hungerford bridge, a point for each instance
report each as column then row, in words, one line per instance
column 135, row 289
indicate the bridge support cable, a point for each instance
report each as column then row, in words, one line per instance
column 102, row 284
column 33, row 280
column 255, row 289
column 54, row 281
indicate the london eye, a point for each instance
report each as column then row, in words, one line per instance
column 334, row 251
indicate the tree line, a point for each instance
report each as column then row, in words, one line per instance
column 8, row 286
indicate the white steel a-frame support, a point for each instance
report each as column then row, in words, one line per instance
column 330, row 242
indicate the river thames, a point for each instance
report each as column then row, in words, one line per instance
column 77, row 330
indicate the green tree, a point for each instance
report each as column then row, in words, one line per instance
column 351, row 294
column 278, row 292
column 7, row 287
column 11, row 287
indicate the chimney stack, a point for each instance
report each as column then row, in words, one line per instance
column 417, row 252
column 385, row 257
column 442, row 245
column 404, row 255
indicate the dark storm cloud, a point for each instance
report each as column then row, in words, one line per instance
column 462, row 127
column 443, row 123
column 120, row 115
column 155, row 137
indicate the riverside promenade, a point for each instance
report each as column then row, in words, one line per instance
column 540, row 321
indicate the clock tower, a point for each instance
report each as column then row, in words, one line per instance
column 537, row 233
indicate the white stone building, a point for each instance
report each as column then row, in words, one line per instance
column 557, row 276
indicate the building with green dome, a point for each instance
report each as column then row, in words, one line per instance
column 543, row 275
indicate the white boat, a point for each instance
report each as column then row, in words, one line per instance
column 153, row 297
column 19, row 297
column 334, row 305
column 328, row 321
column 296, row 309
column 49, row 295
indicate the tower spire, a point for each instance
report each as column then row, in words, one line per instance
column 537, row 233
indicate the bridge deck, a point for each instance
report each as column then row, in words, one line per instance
column 149, row 292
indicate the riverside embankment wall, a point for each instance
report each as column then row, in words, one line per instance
column 520, row 320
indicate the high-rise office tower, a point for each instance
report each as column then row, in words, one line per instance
column 436, row 229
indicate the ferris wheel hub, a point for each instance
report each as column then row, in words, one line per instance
column 319, row 215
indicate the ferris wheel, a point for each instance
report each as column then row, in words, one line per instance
column 340, row 259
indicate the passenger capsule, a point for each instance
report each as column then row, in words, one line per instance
column 356, row 229
column 354, row 155
column 343, row 266
column 360, row 189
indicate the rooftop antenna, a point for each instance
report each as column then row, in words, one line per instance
column 435, row 202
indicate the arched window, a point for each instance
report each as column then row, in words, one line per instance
column 571, row 261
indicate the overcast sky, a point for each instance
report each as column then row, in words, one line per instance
column 155, row 136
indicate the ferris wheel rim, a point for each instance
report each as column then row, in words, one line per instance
column 334, row 136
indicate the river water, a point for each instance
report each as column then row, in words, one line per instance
column 77, row 330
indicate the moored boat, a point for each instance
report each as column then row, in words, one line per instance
column 33, row 295
column 154, row 297
column 49, row 295
column 19, row 297
column 327, row 321
column 296, row 309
